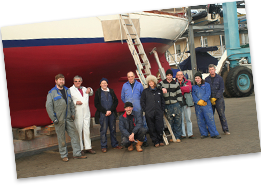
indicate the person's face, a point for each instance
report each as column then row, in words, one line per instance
column 128, row 110
column 104, row 84
column 169, row 77
column 77, row 82
column 152, row 84
column 60, row 82
column 179, row 76
column 131, row 77
column 198, row 80
column 212, row 70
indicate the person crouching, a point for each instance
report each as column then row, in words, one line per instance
column 153, row 104
column 131, row 127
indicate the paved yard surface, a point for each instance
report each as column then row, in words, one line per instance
column 244, row 138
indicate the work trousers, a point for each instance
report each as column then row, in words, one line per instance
column 205, row 118
column 68, row 126
column 186, row 112
column 145, row 126
column 83, row 129
column 220, row 106
column 140, row 135
column 105, row 122
column 173, row 114
column 156, row 126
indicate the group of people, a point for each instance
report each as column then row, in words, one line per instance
column 68, row 108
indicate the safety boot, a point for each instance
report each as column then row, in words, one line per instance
column 130, row 148
column 138, row 146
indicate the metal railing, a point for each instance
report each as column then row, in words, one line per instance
column 175, row 59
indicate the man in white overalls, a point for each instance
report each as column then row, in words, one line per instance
column 80, row 97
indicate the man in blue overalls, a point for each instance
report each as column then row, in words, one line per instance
column 131, row 92
column 217, row 100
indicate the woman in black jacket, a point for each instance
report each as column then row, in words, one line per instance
column 153, row 104
column 106, row 102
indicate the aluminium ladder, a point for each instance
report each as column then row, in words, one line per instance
column 131, row 32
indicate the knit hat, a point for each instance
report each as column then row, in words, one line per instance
column 169, row 71
column 104, row 79
column 128, row 104
column 198, row 74
column 151, row 78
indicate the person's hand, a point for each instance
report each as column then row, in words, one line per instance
column 78, row 103
column 164, row 90
column 88, row 90
column 213, row 101
column 201, row 103
column 55, row 121
column 205, row 103
column 108, row 113
column 131, row 137
column 73, row 117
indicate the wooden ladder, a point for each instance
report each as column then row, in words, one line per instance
column 131, row 32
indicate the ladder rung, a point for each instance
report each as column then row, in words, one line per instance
column 128, row 24
column 132, row 34
column 146, row 74
column 126, row 15
column 137, row 44
column 145, row 63
column 141, row 53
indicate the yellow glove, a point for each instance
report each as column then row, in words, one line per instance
column 201, row 102
column 205, row 103
column 213, row 101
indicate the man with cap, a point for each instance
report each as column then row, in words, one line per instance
column 173, row 103
column 132, row 130
column 201, row 92
column 106, row 102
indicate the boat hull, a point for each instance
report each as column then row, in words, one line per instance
column 28, row 82
column 32, row 63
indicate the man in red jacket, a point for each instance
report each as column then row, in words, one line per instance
column 185, row 86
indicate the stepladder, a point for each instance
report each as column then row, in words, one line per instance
column 141, row 61
column 171, row 134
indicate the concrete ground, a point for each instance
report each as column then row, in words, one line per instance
column 242, row 121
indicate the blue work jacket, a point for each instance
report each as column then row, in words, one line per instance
column 132, row 95
column 202, row 92
column 124, row 123
column 217, row 87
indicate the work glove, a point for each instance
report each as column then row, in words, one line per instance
column 213, row 101
column 202, row 103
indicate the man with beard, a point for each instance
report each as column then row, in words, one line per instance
column 61, row 110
